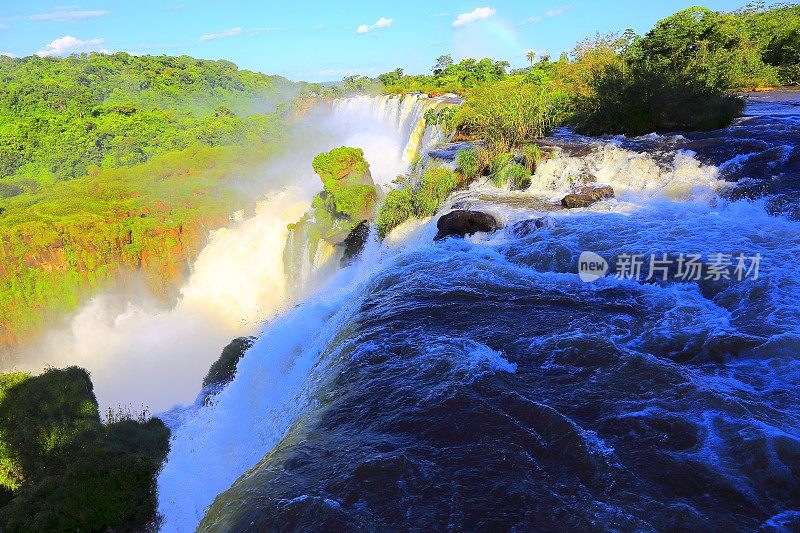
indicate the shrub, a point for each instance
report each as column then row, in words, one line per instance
column 511, row 111
column 73, row 473
column 396, row 209
column 641, row 100
column 435, row 187
column 517, row 175
column 467, row 162
column 500, row 162
column 532, row 155
column 485, row 158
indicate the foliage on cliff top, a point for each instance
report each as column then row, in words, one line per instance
column 675, row 77
column 70, row 471
column 423, row 200
column 346, row 180
column 60, row 116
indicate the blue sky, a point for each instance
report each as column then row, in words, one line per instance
column 324, row 40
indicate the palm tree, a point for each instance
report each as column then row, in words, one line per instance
column 531, row 56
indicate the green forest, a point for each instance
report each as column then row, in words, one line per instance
column 116, row 162
column 678, row 76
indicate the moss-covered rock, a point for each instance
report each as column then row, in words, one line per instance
column 347, row 182
column 62, row 469
column 224, row 369
column 348, row 199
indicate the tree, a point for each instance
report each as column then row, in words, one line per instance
column 442, row 63
column 531, row 56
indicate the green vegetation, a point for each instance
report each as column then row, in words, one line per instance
column 61, row 469
column 424, row 200
column 61, row 117
column 435, row 186
column 676, row 77
column 347, row 200
column 398, row 206
column 467, row 163
column 112, row 163
column 347, row 181
column 512, row 111
column 448, row 77
column 513, row 174
column 532, row 155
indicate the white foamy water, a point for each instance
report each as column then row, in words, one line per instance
column 681, row 177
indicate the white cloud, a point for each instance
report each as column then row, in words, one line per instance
column 68, row 44
column 552, row 12
column 233, row 32
column 382, row 22
column 63, row 14
column 7, row 54
column 473, row 16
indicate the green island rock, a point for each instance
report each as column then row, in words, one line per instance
column 346, row 203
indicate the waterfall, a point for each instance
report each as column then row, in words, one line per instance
column 404, row 114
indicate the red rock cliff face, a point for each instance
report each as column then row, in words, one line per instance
column 161, row 256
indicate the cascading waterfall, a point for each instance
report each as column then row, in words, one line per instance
column 143, row 355
column 259, row 406
column 406, row 114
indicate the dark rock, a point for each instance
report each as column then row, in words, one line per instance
column 526, row 227
column 587, row 195
column 354, row 243
column 462, row 222
column 224, row 369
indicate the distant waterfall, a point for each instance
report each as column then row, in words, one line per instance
column 406, row 114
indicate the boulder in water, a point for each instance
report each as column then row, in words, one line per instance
column 587, row 195
column 224, row 369
column 526, row 227
column 355, row 242
column 463, row 222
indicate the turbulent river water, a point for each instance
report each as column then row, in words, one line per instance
column 481, row 384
